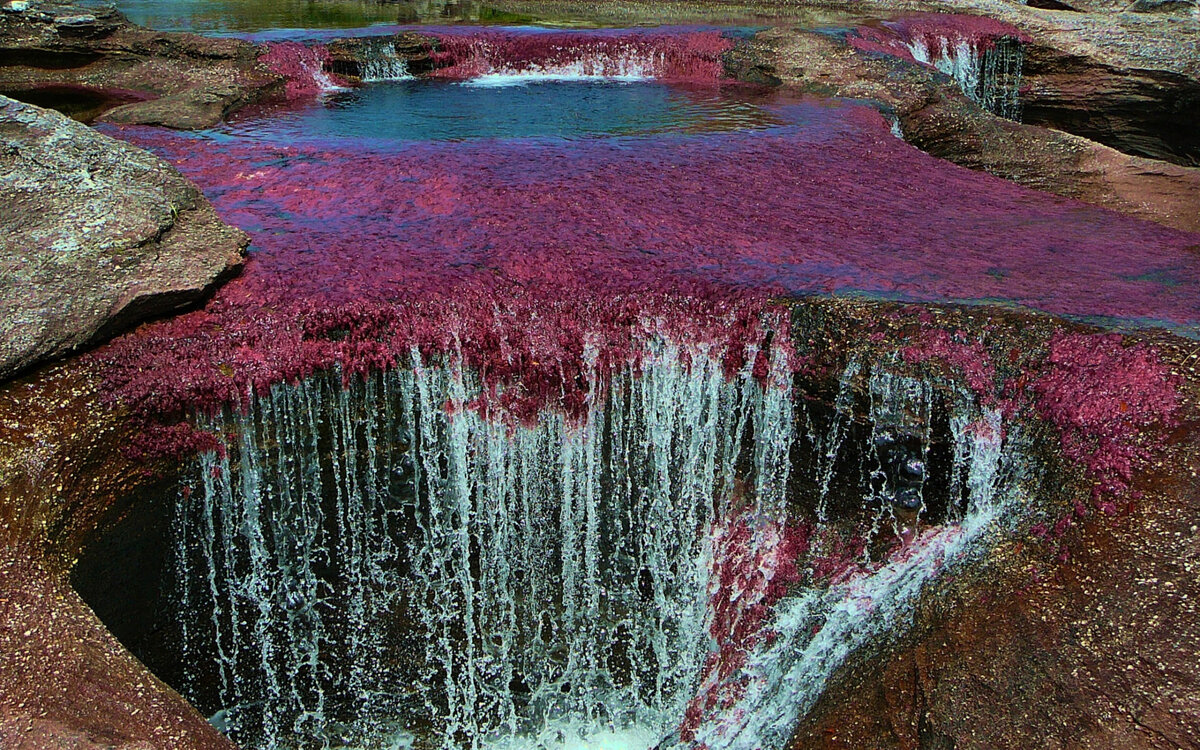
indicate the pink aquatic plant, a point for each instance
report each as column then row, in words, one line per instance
column 965, row 359
column 754, row 562
column 302, row 67
column 1110, row 402
column 538, row 263
column 690, row 56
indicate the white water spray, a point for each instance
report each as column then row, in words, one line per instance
column 991, row 76
column 626, row 65
column 378, row 565
column 381, row 63
column 817, row 629
column 380, row 551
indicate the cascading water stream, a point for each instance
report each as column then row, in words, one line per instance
column 380, row 564
column 1000, row 81
column 989, row 75
column 984, row 57
column 380, row 62
column 863, row 601
column 528, row 576
column 500, row 58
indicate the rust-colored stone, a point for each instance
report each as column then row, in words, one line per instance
column 65, row 681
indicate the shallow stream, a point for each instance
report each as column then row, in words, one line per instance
column 505, row 446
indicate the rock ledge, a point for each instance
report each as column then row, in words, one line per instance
column 97, row 235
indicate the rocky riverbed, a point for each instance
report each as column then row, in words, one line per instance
column 1076, row 630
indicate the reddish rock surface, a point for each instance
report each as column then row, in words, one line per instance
column 96, row 236
column 1085, row 641
column 65, row 682
column 1144, row 112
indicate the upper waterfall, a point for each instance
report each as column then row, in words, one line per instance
column 983, row 56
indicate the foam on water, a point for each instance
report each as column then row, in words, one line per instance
column 575, row 735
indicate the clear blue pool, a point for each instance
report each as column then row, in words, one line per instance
column 419, row 110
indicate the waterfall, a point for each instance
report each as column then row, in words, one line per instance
column 983, row 56
column 508, row 57
column 1000, row 80
column 626, row 64
column 957, row 58
column 815, row 629
column 376, row 563
column 364, row 554
column 381, row 63
column 988, row 73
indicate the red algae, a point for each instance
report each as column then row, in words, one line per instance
column 1110, row 400
column 302, row 67
column 536, row 263
column 1104, row 397
column 689, row 56
column 967, row 360
column 754, row 563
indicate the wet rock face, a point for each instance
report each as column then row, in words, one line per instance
column 347, row 57
column 97, row 235
column 1079, row 635
column 88, row 693
column 1079, row 630
column 1151, row 113
column 143, row 76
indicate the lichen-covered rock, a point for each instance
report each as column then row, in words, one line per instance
column 95, row 235
column 194, row 108
column 1163, row 6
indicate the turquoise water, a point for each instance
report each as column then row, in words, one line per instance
column 416, row 110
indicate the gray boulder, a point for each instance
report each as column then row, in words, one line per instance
column 95, row 236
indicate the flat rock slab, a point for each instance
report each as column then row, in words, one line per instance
column 95, row 236
column 75, row 53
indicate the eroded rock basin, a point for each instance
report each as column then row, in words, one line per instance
column 514, row 431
